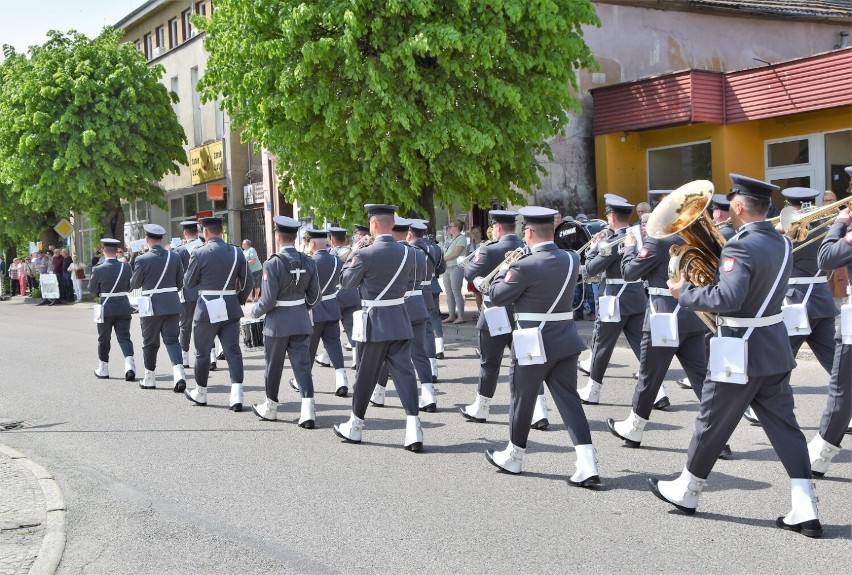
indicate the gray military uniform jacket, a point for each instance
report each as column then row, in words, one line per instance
column 146, row 275
column 440, row 266
column 328, row 270
column 185, row 253
column 820, row 302
column 209, row 268
column 346, row 298
column 101, row 282
column 836, row 252
column 633, row 300
column 280, row 283
column 487, row 258
column 748, row 266
column 425, row 286
column 727, row 231
column 371, row 270
column 532, row 284
column 414, row 303
column 651, row 263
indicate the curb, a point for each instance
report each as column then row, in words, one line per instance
column 53, row 545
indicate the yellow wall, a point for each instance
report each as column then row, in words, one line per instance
column 621, row 166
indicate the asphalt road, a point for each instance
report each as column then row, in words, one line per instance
column 156, row 485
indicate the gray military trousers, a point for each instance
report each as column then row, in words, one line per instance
column 371, row 355
column 606, row 336
column 275, row 349
column 820, row 341
column 329, row 333
column 838, row 408
column 186, row 319
column 204, row 334
column 346, row 322
column 121, row 325
column 153, row 327
column 419, row 359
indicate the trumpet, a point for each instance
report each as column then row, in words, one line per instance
column 605, row 247
column 483, row 283
column 467, row 259
column 596, row 239
column 796, row 224
column 362, row 243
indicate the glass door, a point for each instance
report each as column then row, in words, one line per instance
column 795, row 162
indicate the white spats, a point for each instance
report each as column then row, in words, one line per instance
column 267, row 411
column 591, row 394
column 413, row 433
column 129, row 368
column 478, row 411
column 821, row 452
column 439, row 347
column 804, row 501
column 355, row 357
column 585, row 365
column 630, row 430
column 351, row 430
column 662, row 400
column 323, row 359
column 197, row 396
column 149, row 381
column 185, row 358
column 682, row 492
column 433, row 363
column 308, row 417
column 751, row 416
column 378, row 397
column 341, row 382
column 428, row 399
column 586, row 473
column 235, row 403
column 178, row 375
column 509, row 460
column 539, row 420
column 102, row 372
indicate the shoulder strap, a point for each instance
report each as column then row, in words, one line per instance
column 331, row 277
column 393, row 279
column 165, row 267
column 562, row 291
column 233, row 267
column 787, row 246
column 428, row 255
column 118, row 277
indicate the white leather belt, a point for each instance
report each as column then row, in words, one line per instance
column 212, row 292
column 382, row 302
column 659, row 291
column 426, row 283
column 808, row 280
column 619, row 281
column 113, row 294
column 413, row 293
column 750, row 321
column 562, row 316
column 289, row 302
column 329, row 296
column 158, row 290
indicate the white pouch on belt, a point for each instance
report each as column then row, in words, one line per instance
column 528, row 346
column 608, row 309
column 217, row 309
column 359, row 325
column 846, row 324
column 728, row 360
column 144, row 305
column 796, row 319
column 98, row 313
column 664, row 331
column 497, row 320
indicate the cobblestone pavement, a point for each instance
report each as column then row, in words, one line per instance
column 22, row 516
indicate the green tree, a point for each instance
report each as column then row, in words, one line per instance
column 412, row 102
column 83, row 124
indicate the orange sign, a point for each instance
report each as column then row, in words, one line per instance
column 215, row 192
column 204, row 214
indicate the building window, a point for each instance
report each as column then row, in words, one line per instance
column 196, row 107
column 135, row 216
column 139, row 45
column 201, row 8
column 161, row 38
column 173, row 33
column 187, row 206
column 146, row 42
column 788, row 153
column 174, row 88
column 669, row 168
column 186, row 25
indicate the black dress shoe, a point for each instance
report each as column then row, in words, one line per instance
column 237, row 407
column 635, row 375
column 415, row 447
column 652, row 482
column 812, row 528
column 374, row 404
column 221, row 355
column 293, row 383
column 103, row 376
column 431, row 408
column 469, row 417
column 489, row 455
column 321, row 363
column 750, row 418
column 727, row 454
column 342, row 391
column 592, row 482
column 213, row 366
column 129, row 375
column 610, row 423
column 662, row 403
column 439, row 355
column 581, row 369
column 541, row 424
column 683, row 383
column 180, row 385
column 308, row 424
column 343, row 437
column 434, row 379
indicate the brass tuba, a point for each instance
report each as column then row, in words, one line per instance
column 684, row 212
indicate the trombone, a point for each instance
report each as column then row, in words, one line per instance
column 513, row 256
column 796, row 224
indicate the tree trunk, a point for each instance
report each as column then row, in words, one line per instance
column 427, row 205
column 49, row 237
column 113, row 222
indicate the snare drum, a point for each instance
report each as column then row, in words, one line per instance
column 252, row 331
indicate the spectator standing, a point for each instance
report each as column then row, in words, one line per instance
column 255, row 267
column 32, row 277
column 56, row 264
column 97, row 259
column 13, row 277
column 78, row 273
column 2, row 275
column 67, row 284
column 475, row 243
column 454, row 248
column 41, row 263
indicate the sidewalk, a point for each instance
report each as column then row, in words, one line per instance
column 32, row 516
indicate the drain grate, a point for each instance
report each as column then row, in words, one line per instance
column 11, row 425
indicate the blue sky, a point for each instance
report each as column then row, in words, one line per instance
column 26, row 22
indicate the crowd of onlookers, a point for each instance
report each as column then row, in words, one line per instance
column 25, row 274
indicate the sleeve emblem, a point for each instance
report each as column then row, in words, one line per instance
column 728, row 265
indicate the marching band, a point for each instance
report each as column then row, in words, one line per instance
column 708, row 279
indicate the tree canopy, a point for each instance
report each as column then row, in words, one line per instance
column 410, row 102
column 83, row 123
